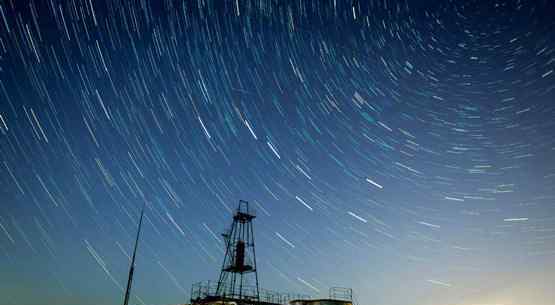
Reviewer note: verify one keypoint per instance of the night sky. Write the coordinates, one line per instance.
(405, 149)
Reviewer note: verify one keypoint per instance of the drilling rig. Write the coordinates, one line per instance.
(240, 259)
(238, 280)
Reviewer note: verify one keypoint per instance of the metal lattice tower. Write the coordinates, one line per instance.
(239, 263)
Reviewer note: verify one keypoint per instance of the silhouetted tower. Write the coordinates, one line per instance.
(240, 259)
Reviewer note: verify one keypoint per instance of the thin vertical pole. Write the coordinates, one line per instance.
(132, 268)
(254, 263)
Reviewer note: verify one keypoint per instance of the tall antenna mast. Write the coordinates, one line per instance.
(132, 268)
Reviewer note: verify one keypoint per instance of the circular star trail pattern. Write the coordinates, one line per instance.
(401, 148)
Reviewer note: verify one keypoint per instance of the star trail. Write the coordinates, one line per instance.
(402, 148)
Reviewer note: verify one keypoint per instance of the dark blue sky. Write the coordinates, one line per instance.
(401, 148)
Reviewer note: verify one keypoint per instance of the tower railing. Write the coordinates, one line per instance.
(207, 290)
(341, 293)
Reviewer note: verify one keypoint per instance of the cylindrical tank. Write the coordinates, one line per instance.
(240, 255)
